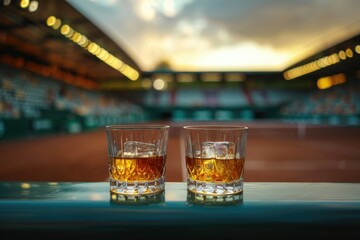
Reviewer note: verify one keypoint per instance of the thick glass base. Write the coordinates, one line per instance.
(134, 200)
(214, 200)
(137, 188)
(217, 188)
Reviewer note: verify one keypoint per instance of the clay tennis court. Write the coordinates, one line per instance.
(276, 152)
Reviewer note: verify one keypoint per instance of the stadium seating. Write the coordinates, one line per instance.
(31, 105)
(338, 105)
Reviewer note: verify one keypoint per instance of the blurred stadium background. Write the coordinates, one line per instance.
(62, 79)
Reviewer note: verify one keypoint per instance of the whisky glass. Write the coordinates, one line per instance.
(215, 158)
(137, 158)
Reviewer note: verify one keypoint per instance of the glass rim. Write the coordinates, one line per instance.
(215, 127)
(135, 126)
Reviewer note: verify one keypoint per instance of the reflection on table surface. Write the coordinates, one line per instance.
(58, 210)
(176, 192)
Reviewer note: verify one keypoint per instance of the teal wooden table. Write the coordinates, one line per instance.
(47, 210)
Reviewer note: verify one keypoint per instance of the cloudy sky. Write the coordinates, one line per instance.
(240, 35)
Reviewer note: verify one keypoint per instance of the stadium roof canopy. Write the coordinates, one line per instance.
(54, 39)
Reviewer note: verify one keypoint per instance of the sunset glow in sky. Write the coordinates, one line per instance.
(241, 35)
